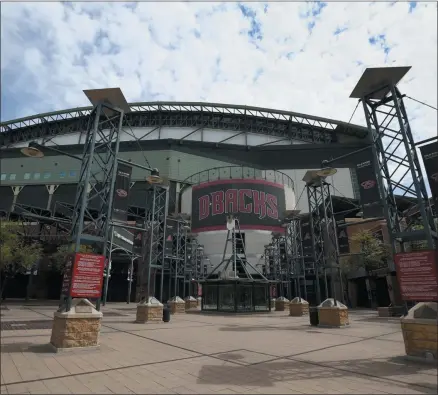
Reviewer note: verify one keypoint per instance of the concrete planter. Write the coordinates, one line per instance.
(331, 315)
(177, 305)
(77, 328)
(420, 331)
(150, 310)
(298, 307)
(282, 304)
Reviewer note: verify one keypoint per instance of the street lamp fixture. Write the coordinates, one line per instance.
(326, 171)
(154, 177)
(32, 151)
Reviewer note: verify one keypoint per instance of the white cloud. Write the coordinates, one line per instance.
(204, 52)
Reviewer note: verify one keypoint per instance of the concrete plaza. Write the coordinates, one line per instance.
(270, 353)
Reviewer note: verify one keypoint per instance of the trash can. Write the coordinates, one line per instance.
(166, 314)
(313, 315)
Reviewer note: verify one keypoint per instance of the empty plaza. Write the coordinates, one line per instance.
(196, 353)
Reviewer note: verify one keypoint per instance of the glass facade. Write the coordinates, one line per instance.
(235, 296)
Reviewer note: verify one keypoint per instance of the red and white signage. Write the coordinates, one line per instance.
(87, 276)
(417, 275)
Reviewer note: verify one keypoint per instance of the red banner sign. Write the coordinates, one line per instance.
(417, 275)
(87, 276)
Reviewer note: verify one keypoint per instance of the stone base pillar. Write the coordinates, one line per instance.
(150, 310)
(420, 331)
(282, 304)
(191, 303)
(298, 307)
(177, 305)
(77, 328)
(331, 315)
(199, 300)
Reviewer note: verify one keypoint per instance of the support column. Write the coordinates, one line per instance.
(16, 191)
(51, 189)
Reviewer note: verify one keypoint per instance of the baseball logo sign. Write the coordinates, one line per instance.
(368, 184)
(121, 193)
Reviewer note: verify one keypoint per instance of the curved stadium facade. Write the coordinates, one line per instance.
(181, 140)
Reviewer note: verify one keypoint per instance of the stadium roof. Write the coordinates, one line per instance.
(285, 125)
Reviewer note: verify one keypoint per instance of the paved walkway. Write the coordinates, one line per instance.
(269, 354)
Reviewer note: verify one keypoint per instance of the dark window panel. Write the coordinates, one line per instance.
(137, 194)
(6, 198)
(34, 195)
(64, 193)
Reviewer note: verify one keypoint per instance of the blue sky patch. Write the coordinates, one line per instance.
(340, 30)
(412, 6)
(258, 73)
(255, 32)
(380, 40)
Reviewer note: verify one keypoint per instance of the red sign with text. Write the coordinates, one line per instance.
(417, 275)
(87, 276)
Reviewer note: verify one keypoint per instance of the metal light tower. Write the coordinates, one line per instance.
(98, 170)
(178, 258)
(156, 217)
(97, 176)
(323, 228)
(294, 252)
(395, 158)
(277, 264)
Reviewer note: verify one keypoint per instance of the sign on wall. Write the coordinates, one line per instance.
(258, 204)
(368, 187)
(342, 235)
(417, 275)
(306, 235)
(137, 247)
(430, 159)
(121, 192)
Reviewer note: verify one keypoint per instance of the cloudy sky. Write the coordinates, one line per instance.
(303, 57)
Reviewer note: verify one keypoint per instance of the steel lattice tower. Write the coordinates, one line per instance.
(178, 258)
(295, 256)
(323, 229)
(156, 218)
(96, 179)
(97, 176)
(394, 154)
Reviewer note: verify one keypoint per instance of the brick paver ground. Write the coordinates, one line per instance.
(202, 354)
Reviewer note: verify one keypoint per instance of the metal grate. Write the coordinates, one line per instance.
(25, 325)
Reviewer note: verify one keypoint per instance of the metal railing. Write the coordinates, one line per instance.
(238, 172)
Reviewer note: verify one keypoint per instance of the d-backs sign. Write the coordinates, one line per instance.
(257, 204)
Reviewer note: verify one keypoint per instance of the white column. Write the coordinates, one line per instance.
(177, 195)
(51, 189)
(16, 190)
